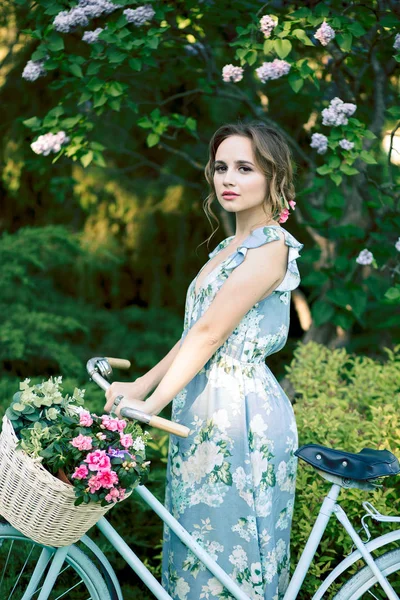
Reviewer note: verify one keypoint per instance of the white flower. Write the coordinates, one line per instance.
(346, 145)
(238, 558)
(232, 73)
(215, 586)
(397, 244)
(138, 444)
(319, 141)
(256, 574)
(92, 36)
(257, 425)
(267, 24)
(365, 257)
(324, 33)
(33, 70)
(259, 465)
(220, 419)
(139, 16)
(280, 550)
(49, 142)
(396, 44)
(182, 589)
(337, 112)
(273, 70)
(206, 457)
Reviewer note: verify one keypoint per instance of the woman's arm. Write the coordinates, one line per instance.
(250, 282)
(152, 378)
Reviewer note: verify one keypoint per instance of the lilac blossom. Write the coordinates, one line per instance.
(49, 142)
(346, 145)
(81, 14)
(337, 112)
(396, 44)
(319, 141)
(33, 70)
(139, 16)
(231, 73)
(397, 245)
(91, 37)
(267, 24)
(324, 34)
(273, 70)
(365, 257)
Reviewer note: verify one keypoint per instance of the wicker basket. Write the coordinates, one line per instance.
(35, 502)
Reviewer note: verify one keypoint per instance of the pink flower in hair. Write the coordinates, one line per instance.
(283, 217)
(292, 204)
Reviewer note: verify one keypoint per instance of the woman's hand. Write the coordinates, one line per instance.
(133, 393)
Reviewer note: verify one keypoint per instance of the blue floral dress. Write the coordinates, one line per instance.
(231, 483)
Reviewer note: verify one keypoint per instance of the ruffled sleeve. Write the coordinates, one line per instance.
(264, 235)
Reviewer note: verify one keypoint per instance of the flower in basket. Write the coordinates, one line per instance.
(102, 456)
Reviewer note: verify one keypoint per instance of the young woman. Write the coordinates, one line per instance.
(231, 483)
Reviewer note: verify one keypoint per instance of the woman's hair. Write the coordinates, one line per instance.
(273, 158)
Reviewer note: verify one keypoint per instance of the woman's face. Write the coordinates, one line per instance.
(236, 172)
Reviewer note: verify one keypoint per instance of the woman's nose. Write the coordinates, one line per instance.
(229, 176)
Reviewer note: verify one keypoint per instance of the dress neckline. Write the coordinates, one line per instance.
(196, 295)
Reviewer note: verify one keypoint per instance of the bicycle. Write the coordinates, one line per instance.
(41, 572)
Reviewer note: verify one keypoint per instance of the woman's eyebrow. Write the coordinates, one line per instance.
(237, 162)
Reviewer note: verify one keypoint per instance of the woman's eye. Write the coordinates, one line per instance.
(218, 169)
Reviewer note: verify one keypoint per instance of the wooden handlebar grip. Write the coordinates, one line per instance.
(119, 363)
(169, 426)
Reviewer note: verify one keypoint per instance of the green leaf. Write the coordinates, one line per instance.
(344, 40)
(191, 124)
(115, 89)
(251, 59)
(394, 111)
(242, 53)
(135, 64)
(71, 121)
(356, 29)
(85, 96)
(95, 84)
(282, 47)
(347, 170)
(324, 170)
(153, 43)
(99, 159)
(152, 139)
(268, 46)
(115, 104)
(55, 42)
(295, 82)
(393, 294)
(336, 178)
(93, 68)
(334, 162)
(301, 35)
(368, 158)
(87, 158)
(76, 70)
(322, 312)
(369, 134)
(99, 99)
(32, 123)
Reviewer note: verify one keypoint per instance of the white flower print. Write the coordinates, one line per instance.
(182, 589)
(258, 426)
(246, 528)
(203, 461)
(259, 465)
(244, 486)
(220, 419)
(263, 502)
(238, 558)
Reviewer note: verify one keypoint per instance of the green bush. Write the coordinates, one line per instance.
(345, 402)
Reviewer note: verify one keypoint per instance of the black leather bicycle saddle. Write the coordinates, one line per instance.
(366, 464)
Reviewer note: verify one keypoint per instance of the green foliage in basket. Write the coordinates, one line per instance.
(104, 457)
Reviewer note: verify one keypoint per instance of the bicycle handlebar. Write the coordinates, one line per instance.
(104, 364)
(118, 363)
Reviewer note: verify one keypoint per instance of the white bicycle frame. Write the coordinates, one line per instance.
(328, 507)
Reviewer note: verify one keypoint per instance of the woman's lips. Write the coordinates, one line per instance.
(230, 196)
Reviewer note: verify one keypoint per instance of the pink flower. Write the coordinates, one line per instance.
(121, 493)
(292, 204)
(82, 442)
(113, 495)
(98, 461)
(113, 424)
(284, 215)
(80, 472)
(107, 478)
(94, 484)
(85, 418)
(126, 440)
